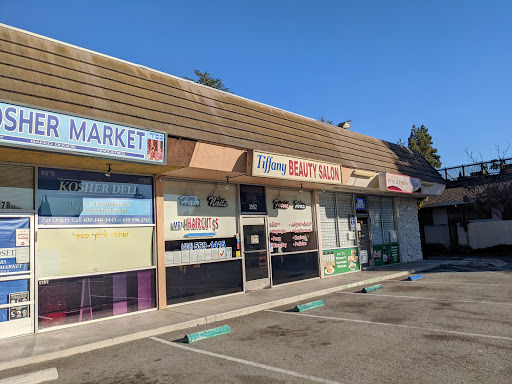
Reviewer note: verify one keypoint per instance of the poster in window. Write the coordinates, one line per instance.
(68, 197)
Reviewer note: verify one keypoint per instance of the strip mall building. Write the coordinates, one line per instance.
(124, 189)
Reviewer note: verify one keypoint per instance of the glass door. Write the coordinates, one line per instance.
(365, 245)
(256, 257)
(16, 275)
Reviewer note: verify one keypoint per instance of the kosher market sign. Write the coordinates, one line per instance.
(43, 130)
(294, 168)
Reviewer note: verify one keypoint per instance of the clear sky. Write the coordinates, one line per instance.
(385, 65)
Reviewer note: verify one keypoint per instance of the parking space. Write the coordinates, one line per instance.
(425, 331)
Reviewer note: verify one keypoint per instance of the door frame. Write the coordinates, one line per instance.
(252, 285)
(24, 326)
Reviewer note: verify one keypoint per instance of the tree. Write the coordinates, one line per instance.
(401, 142)
(207, 79)
(421, 141)
(322, 119)
(492, 190)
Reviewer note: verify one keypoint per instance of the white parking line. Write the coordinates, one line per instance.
(425, 298)
(440, 282)
(395, 325)
(33, 377)
(246, 362)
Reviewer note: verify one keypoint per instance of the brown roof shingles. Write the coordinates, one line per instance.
(42, 72)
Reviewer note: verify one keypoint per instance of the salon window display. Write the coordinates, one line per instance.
(290, 221)
(202, 248)
(200, 222)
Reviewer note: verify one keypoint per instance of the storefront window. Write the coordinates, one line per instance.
(252, 199)
(16, 188)
(382, 219)
(340, 253)
(70, 198)
(93, 250)
(291, 232)
(328, 220)
(290, 221)
(200, 228)
(95, 245)
(384, 236)
(77, 299)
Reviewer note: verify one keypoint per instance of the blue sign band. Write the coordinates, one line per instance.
(64, 133)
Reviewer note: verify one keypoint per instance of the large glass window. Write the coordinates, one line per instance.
(95, 245)
(70, 198)
(382, 219)
(384, 238)
(200, 222)
(293, 243)
(201, 241)
(290, 221)
(338, 224)
(252, 199)
(328, 220)
(75, 251)
(76, 299)
(16, 188)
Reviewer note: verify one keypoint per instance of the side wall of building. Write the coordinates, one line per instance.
(484, 234)
(408, 226)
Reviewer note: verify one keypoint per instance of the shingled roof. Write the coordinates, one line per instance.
(48, 74)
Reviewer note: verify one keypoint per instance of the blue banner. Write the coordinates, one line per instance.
(22, 126)
(69, 197)
(8, 245)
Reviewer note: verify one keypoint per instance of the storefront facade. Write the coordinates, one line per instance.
(123, 192)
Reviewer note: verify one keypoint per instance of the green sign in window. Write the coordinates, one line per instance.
(385, 254)
(337, 261)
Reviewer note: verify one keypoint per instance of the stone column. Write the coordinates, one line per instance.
(408, 229)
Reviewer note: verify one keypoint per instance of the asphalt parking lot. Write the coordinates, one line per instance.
(452, 326)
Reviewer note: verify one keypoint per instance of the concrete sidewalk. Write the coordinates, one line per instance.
(36, 348)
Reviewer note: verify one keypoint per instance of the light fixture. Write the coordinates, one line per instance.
(227, 183)
(362, 173)
(108, 170)
(301, 189)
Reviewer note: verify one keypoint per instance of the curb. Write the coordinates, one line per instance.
(201, 321)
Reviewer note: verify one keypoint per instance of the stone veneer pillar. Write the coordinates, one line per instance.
(408, 229)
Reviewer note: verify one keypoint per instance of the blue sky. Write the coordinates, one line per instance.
(385, 65)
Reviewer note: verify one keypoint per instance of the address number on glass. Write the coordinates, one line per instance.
(202, 245)
(5, 205)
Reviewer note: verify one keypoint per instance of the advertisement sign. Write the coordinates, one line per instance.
(18, 297)
(18, 312)
(399, 183)
(194, 210)
(69, 197)
(294, 168)
(22, 237)
(290, 230)
(385, 254)
(179, 252)
(9, 260)
(43, 130)
(337, 261)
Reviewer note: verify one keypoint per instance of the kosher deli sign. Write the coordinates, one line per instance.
(399, 183)
(293, 168)
(38, 129)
